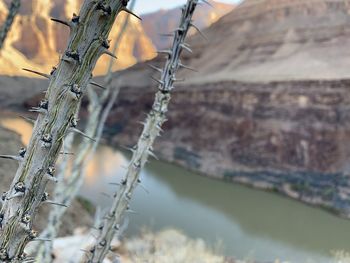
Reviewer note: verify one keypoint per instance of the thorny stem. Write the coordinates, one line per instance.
(68, 188)
(13, 10)
(152, 127)
(87, 42)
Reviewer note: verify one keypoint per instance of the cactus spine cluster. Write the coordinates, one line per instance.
(13, 10)
(56, 118)
(152, 128)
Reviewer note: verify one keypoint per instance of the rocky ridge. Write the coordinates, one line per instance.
(36, 42)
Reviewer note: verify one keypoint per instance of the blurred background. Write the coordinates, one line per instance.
(254, 158)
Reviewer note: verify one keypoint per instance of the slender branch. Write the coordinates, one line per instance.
(152, 128)
(66, 190)
(13, 11)
(88, 37)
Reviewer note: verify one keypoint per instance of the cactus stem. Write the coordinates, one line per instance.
(154, 121)
(37, 73)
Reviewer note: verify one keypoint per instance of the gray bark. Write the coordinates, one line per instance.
(56, 118)
(67, 188)
(13, 11)
(152, 128)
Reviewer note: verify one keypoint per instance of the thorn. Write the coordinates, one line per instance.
(18, 194)
(187, 67)
(81, 133)
(37, 73)
(50, 202)
(153, 155)
(142, 123)
(118, 184)
(185, 47)
(28, 119)
(131, 211)
(38, 110)
(42, 239)
(167, 35)
(65, 153)
(51, 178)
(155, 68)
(128, 148)
(97, 85)
(61, 22)
(106, 195)
(131, 13)
(144, 188)
(107, 52)
(166, 51)
(125, 167)
(178, 80)
(158, 81)
(12, 157)
(198, 30)
(207, 2)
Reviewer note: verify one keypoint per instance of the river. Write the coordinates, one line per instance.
(242, 222)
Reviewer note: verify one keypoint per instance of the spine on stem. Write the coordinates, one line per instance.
(56, 118)
(143, 149)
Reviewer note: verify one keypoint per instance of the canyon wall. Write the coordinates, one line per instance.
(289, 137)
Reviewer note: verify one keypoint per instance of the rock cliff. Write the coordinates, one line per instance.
(36, 42)
(269, 107)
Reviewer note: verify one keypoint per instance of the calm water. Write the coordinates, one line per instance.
(247, 222)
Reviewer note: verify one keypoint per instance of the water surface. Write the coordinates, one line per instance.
(246, 222)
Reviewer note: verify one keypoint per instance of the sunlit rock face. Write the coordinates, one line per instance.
(269, 106)
(267, 40)
(165, 21)
(37, 42)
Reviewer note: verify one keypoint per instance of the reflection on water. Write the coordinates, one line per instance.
(248, 222)
(19, 126)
